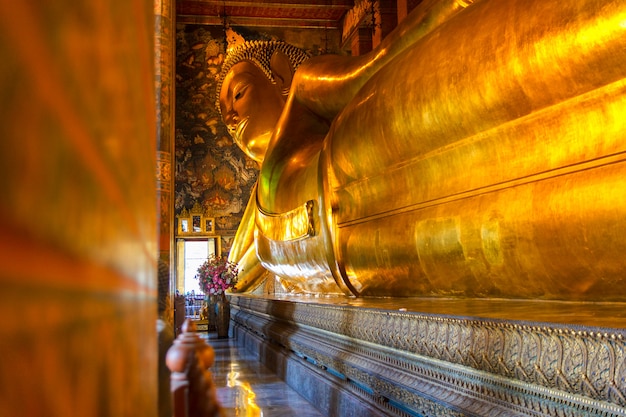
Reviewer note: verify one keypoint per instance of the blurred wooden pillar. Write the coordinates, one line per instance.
(77, 214)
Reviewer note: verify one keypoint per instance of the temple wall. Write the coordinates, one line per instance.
(211, 174)
(78, 242)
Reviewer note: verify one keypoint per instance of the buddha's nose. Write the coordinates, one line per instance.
(231, 119)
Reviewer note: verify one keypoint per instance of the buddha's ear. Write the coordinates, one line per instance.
(282, 71)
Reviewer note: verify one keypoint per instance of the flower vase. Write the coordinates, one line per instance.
(222, 316)
(211, 300)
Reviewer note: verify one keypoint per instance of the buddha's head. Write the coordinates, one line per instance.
(252, 90)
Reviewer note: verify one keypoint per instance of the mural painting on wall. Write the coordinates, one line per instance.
(227, 243)
(210, 169)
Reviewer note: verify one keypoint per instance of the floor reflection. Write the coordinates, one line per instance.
(245, 388)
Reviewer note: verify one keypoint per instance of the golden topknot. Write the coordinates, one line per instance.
(259, 53)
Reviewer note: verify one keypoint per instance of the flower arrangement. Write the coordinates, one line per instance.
(217, 275)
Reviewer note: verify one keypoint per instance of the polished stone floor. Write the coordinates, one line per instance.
(247, 388)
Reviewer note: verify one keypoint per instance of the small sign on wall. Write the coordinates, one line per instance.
(195, 222)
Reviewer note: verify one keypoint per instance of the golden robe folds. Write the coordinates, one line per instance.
(485, 159)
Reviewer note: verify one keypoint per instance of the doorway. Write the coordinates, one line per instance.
(190, 254)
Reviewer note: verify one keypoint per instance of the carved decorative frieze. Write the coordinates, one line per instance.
(423, 362)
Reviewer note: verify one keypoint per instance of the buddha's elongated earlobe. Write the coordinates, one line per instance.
(282, 71)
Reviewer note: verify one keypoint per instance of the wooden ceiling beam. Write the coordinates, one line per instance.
(259, 22)
(265, 13)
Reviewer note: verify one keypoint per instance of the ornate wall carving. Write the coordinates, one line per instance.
(472, 366)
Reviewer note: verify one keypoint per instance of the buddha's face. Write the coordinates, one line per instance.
(251, 106)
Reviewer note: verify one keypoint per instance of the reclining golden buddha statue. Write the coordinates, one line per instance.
(478, 151)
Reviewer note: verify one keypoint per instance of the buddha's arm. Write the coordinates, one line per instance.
(245, 233)
(243, 251)
(326, 84)
(288, 177)
(251, 273)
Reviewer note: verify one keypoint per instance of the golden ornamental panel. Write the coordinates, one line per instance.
(534, 368)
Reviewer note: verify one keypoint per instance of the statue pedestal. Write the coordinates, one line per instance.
(428, 357)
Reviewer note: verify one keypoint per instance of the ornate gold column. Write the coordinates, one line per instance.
(361, 42)
(367, 24)
(164, 97)
(164, 65)
(402, 7)
(385, 19)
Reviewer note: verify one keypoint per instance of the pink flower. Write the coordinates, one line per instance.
(217, 275)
